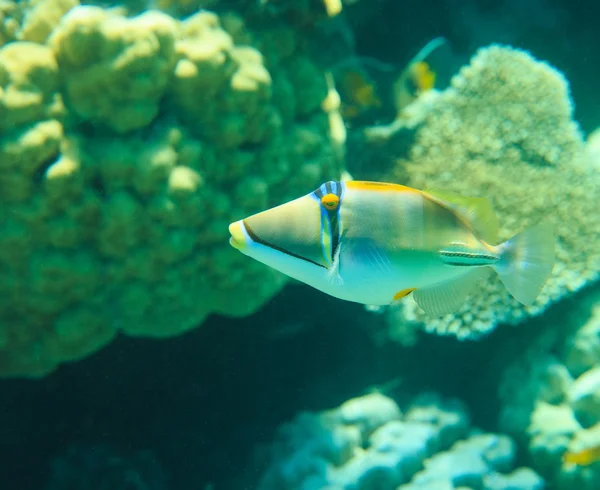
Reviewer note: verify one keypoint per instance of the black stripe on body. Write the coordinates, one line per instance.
(335, 232)
(257, 239)
(333, 216)
(469, 258)
(319, 193)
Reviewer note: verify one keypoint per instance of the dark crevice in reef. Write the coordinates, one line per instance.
(204, 400)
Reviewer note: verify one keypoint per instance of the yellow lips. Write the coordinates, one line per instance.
(238, 237)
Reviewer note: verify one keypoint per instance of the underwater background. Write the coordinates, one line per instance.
(139, 350)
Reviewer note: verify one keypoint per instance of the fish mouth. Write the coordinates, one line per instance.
(239, 236)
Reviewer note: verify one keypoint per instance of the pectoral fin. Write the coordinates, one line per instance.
(334, 272)
(449, 296)
(366, 252)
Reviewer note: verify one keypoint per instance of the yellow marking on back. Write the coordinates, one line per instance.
(378, 186)
(402, 294)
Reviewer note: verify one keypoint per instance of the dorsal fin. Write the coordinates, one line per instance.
(477, 211)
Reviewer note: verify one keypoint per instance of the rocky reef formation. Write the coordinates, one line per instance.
(128, 145)
(551, 394)
(370, 443)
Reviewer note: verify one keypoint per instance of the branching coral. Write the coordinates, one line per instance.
(115, 205)
(504, 131)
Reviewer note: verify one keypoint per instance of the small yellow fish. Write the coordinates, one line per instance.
(585, 457)
(375, 243)
(418, 76)
(423, 77)
(360, 94)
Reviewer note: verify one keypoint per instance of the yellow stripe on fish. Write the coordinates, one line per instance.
(376, 242)
(378, 186)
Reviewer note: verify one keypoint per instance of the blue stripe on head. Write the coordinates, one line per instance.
(341, 193)
(334, 187)
(330, 220)
(325, 223)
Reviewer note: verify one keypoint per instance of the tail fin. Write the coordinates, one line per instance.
(526, 262)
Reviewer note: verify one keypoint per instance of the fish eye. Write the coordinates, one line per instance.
(330, 201)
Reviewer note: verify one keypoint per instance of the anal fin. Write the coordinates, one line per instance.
(449, 296)
(402, 294)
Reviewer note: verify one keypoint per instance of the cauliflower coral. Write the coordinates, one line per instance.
(504, 130)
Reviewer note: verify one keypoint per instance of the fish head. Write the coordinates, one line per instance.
(298, 238)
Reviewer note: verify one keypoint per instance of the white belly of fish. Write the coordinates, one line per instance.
(377, 281)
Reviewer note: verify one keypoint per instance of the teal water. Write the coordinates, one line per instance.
(139, 350)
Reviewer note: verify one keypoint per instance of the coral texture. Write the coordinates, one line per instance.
(11, 15)
(368, 443)
(114, 69)
(551, 393)
(128, 145)
(504, 131)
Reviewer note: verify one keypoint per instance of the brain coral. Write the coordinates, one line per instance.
(127, 146)
(504, 131)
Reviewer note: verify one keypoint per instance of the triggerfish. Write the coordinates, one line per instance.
(375, 243)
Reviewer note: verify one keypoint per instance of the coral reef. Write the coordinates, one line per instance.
(592, 148)
(368, 443)
(41, 17)
(31, 20)
(128, 144)
(115, 70)
(11, 15)
(504, 131)
(551, 393)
